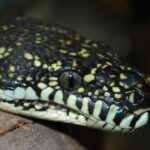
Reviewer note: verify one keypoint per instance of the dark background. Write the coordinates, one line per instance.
(123, 24)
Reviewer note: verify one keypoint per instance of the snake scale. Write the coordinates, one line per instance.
(50, 72)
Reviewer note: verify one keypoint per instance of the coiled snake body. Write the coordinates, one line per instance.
(51, 72)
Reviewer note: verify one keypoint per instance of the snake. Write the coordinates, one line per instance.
(51, 72)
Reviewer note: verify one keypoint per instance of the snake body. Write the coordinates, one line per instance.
(50, 72)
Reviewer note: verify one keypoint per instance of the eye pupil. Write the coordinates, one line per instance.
(70, 80)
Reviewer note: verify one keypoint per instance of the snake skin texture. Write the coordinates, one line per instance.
(50, 72)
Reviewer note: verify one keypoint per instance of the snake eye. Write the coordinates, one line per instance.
(70, 80)
(135, 98)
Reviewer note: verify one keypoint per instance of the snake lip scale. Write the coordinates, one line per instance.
(51, 72)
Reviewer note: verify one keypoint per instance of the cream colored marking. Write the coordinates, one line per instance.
(112, 84)
(37, 63)
(4, 27)
(74, 63)
(45, 93)
(107, 94)
(108, 63)
(53, 78)
(93, 71)
(26, 104)
(121, 84)
(42, 85)
(96, 92)
(63, 51)
(9, 95)
(53, 83)
(100, 55)
(45, 66)
(29, 78)
(129, 68)
(140, 111)
(73, 54)
(99, 65)
(131, 98)
(89, 77)
(117, 96)
(30, 94)
(97, 109)
(105, 66)
(57, 87)
(143, 120)
(36, 57)
(111, 114)
(38, 42)
(139, 85)
(19, 93)
(89, 93)
(19, 78)
(18, 43)
(82, 51)
(95, 45)
(122, 76)
(112, 76)
(28, 56)
(12, 68)
(85, 55)
(71, 102)
(2, 50)
(10, 49)
(54, 65)
(6, 54)
(126, 86)
(125, 123)
(105, 88)
(81, 90)
(57, 68)
(85, 107)
(58, 98)
(38, 107)
(59, 63)
(116, 89)
(11, 75)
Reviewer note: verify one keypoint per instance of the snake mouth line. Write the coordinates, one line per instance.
(56, 112)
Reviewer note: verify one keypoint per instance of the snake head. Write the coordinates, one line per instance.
(51, 72)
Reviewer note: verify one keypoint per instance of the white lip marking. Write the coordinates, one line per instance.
(30, 94)
(19, 93)
(125, 123)
(9, 95)
(142, 120)
(45, 93)
(58, 98)
(6, 95)
(111, 114)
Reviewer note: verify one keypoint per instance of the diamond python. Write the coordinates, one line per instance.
(51, 72)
